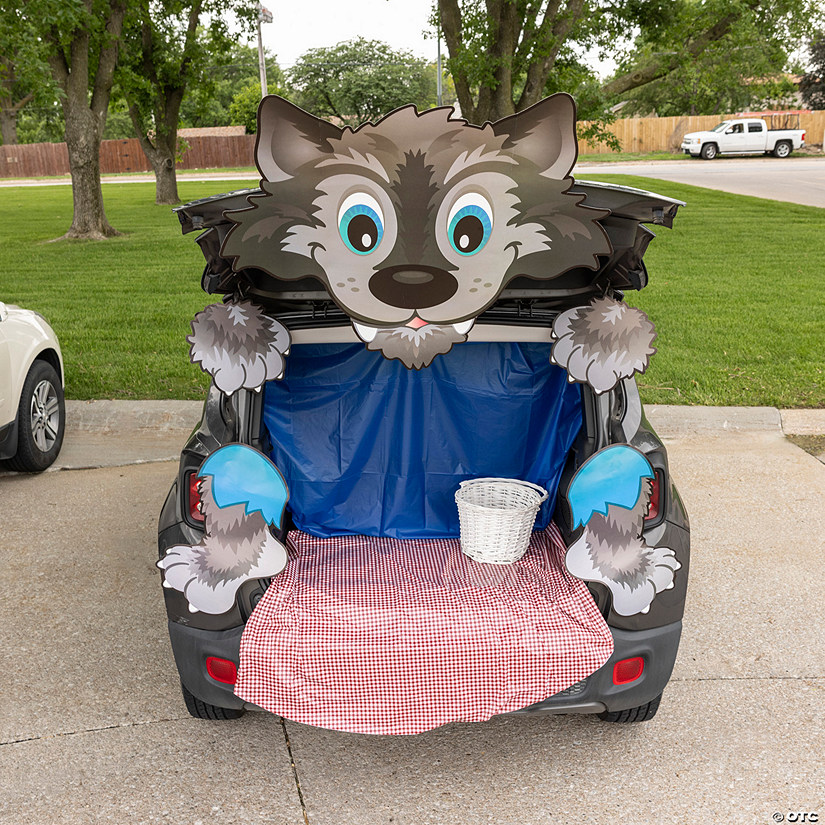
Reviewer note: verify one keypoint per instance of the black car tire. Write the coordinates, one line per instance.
(639, 714)
(41, 420)
(709, 151)
(782, 149)
(203, 710)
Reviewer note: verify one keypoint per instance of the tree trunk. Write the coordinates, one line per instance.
(84, 72)
(160, 151)
(8, 115)
(8, 126)
(516, 32)
(166, 182)
(83, 144)
(161, 157)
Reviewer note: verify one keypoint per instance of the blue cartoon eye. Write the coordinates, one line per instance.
(470, 223)
(361, 223)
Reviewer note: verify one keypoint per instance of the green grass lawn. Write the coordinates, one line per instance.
(736, 292)
(624, 157)
(122, 307)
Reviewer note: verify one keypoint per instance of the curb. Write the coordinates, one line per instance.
(803, 422)
(112, 416)
(108, 416)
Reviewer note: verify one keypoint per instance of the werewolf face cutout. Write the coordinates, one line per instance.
(417, 223)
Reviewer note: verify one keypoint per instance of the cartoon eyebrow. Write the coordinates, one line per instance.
(358, 161)
(471, 161)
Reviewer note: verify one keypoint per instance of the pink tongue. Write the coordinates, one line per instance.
(417, 323)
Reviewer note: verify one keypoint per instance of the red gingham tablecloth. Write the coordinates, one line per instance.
(377, 635)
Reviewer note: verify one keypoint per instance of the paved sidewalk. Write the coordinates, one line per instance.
(91, 691)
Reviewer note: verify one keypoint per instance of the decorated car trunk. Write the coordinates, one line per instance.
(408, 307)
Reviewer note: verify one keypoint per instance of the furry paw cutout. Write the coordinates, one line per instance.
(633, 572)
(610, 496)
(241, 493)
(602, 343)
(238, 345)
(187, 569)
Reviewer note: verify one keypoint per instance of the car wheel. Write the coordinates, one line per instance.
(709, 151)
(640, 714)
(203, 710)
(41, 420)
(782, 149)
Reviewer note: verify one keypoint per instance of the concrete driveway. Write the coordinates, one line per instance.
(93, 729)
(799, 179)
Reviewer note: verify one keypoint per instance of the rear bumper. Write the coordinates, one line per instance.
(191, 647)
(596, 693)
(657, 647)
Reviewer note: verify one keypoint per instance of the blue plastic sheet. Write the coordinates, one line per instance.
(370, 447)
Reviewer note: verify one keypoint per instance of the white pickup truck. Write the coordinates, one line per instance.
(746, 136)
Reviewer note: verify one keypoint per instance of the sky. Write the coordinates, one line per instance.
(298, 26)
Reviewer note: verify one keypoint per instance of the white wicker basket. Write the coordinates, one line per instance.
(496, 517)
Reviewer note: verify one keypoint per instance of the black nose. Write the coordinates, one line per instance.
(412, 286)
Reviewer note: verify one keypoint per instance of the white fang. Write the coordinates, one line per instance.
(366, 334)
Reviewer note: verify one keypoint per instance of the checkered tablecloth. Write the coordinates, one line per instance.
(376, 635)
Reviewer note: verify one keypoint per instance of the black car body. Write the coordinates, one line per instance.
(645, 644)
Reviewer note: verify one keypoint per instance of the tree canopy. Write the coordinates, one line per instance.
(226, 75)
(713, 57)
(360, 80)
(505, 55)
(167, 45)
(812, 85)
(24, 72)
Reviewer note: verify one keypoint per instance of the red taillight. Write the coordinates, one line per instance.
(628, 670)
(194, 498)
(655, 496)
(803, 137)
(222, 670)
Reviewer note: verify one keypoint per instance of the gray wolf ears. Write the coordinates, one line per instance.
(602, 343)
(545, 134)
(289, 138)
(238, 345)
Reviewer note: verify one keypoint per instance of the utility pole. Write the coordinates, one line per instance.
(264, 16)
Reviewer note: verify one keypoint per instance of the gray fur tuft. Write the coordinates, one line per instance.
(238, 345)
(612, 550)
(235, 548)
(416, 348)
(603, 343)
(233, 544)
(622, 557)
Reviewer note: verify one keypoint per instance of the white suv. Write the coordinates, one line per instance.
(32, 410)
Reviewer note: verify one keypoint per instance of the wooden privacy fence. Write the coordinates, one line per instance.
(664, 134)
(636, 134)
(34, 160)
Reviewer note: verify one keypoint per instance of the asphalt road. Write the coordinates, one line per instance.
(93, 728)
(796, 179)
